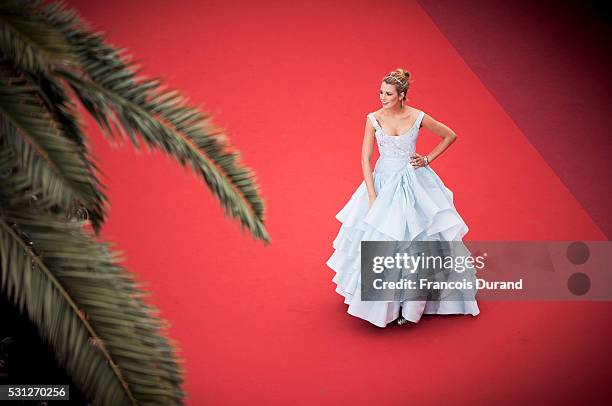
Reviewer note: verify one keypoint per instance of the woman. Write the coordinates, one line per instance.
(403, 199)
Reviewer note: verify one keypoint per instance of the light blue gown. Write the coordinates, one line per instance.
(411, 205)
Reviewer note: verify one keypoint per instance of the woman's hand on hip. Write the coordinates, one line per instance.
(418, 161)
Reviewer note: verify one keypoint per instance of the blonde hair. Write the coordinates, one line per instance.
(400, 78)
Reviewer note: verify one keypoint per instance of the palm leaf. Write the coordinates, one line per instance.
(64, 112)
(55, 164)
(137, 107)
(88, 307)
(29, 40)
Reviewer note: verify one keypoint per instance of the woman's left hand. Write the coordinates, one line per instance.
(417, 161)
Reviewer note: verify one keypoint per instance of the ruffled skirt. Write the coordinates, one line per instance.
(410, 205)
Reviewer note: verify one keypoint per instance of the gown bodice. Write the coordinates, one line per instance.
(400, 146)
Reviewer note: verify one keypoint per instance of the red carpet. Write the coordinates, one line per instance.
(548, 65)
(292, 83)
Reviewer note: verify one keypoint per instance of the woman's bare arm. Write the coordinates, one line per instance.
(366, 155)
(441, 130)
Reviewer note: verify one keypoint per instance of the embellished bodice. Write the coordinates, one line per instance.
(400, 146)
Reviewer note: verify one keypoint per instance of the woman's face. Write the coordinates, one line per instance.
(388, 96)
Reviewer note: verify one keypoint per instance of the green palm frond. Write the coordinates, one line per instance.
(55, 164)
(64, 112)
(117, 97)
(88, 307)
(52, 268)
(29, 40)
(60, 106)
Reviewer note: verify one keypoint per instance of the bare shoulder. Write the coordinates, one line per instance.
(368, 124)
(374, 114)
(436, 126)
(427, 120)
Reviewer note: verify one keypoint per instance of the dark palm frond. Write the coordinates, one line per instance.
(118, 98)
(61, 107)
(91, 310)
(64, 112)
(55, 164)
(88, 307)
(29, 40)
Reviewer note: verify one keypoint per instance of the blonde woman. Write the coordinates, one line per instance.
(402, 199)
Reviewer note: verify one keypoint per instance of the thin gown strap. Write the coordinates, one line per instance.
(374, 122)
(419, 119)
